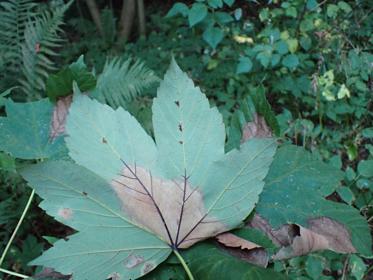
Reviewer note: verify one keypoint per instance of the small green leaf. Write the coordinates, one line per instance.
(290, 61)
(314, 267)
(7, 163)
(244, 65)
(213, 36)
(365, 168)
(229, 2)
(346, 194)
(178, 8)
(215, 3)
(357, 267)
(197, 13)
(368, 132)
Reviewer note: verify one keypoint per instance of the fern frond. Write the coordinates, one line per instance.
(42, 36)
(14, 15)
(121, 81)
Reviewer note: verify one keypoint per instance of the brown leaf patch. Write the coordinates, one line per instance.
(256, 129)
(322, 234)
(59, 115)
(172, 209)
(232, 240)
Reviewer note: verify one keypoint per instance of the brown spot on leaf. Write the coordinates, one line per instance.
(85, 194)
(148, 266)
(58, 121)
(231, 240)
(258, 128)
(180, 127)
(133, 261)
(65, 213)
(181, 142)
(144, 202)
(104, 140)
(177, 103)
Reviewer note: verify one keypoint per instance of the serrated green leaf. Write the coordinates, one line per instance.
(197, 13)
(25, 131)
(179, 192)
(209, 263)
(294, 193)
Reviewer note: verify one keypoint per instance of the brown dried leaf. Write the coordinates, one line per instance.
(231, 240)
(59, 115)
(157, 204)
(322, 233)
(257, 128)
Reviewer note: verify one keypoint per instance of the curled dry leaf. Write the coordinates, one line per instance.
(256, 129)
(231, 240)
(322, 234)
(60, 111)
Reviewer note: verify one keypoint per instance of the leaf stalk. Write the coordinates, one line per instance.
(183, 263)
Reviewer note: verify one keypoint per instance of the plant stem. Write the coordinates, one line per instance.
(13, 273)
(183, 263)
(17, 227)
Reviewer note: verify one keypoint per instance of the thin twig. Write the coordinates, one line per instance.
(13, 273)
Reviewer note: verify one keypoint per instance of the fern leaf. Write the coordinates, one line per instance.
(122, 80)
(14, 14)
(41, 37)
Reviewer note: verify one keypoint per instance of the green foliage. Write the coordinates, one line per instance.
(41, 37)
(122, 80)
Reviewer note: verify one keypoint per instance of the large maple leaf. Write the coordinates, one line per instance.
(132, 201)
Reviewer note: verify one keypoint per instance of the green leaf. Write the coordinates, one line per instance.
(229, 2)
(215, 3)
(136, 200)
(223, 17)
(178, 8)
(244, 65)
(368, 132)
(197, 13)
(7, 163)
(365, 168)
(61, 84)
(213, 36)
(264, 109)
(314, 267)
(357, 267)
(25, 131)
(209, 263)
(290, 61)
(3, 94)
(294, 193)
